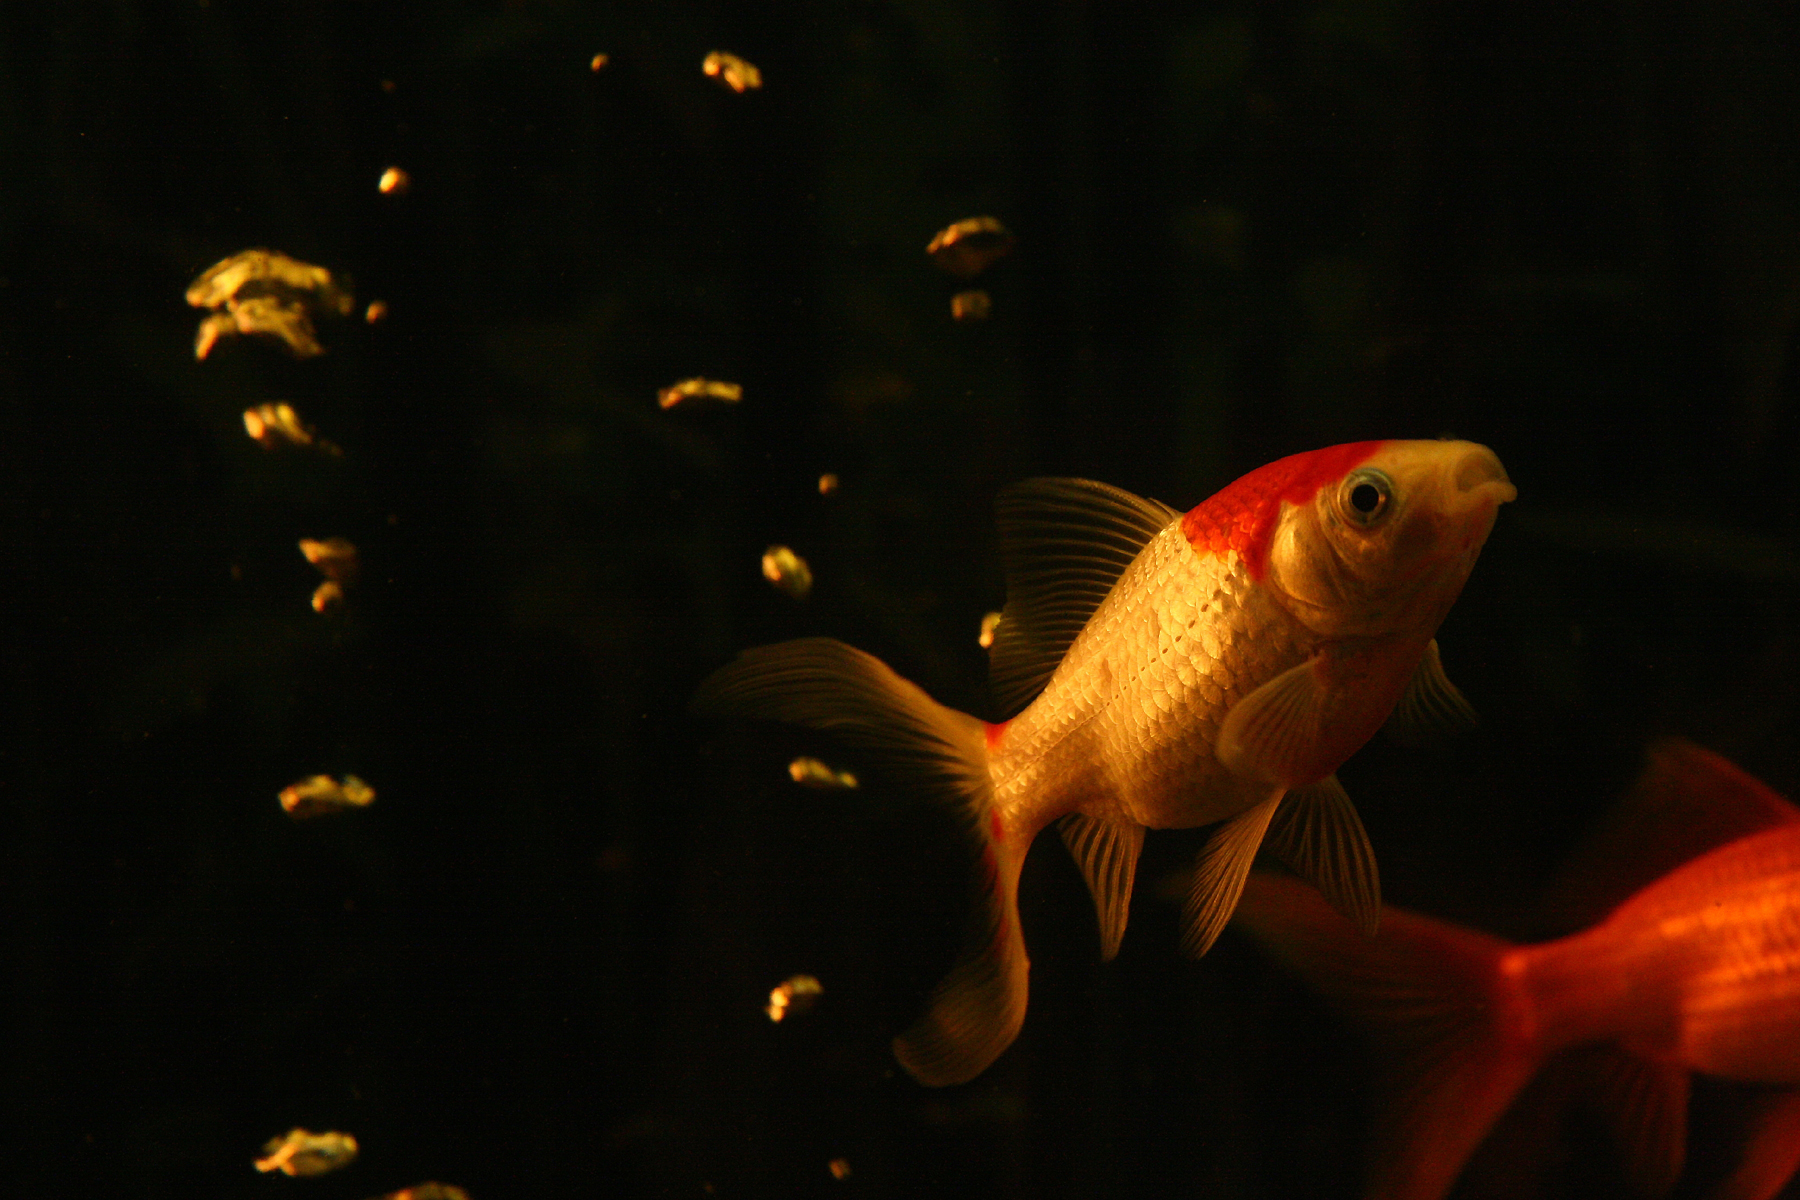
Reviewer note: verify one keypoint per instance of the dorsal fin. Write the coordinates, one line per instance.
(1064, 543)
(1687, 801)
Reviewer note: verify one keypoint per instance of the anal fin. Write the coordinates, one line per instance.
(1107, 853)
(1317, 833)
(1219, 875)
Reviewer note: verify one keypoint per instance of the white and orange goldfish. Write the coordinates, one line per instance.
(1698, 971)
(1166, 671)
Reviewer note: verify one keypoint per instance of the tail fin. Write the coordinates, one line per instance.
(975, 1013)
(1448, 1021)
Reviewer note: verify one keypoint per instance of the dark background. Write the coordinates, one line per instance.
(535, 967)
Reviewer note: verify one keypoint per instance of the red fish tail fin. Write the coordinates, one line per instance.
(928, 749)
(1448, 1023)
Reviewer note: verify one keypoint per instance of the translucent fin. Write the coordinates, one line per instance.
(821, 683)
(1317, 833)
(976, 1012)
(1219, 876)
(1107, 853)
(1686, 802)
(1771, 1150)
(1431, 709)
(1645, 1104)
(1446, 1022)
(1275, 732)
(1064, 543)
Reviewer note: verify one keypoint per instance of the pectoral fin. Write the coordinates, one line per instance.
(1276, 733)
(1220, 873)
(1432, 709)
(1317, 833)
(1107, 852)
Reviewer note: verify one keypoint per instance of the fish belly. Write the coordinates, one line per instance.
(1126, 727)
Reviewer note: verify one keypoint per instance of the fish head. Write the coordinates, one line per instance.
(1384, 546)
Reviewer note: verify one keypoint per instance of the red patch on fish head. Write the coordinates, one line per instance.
(1242, 517)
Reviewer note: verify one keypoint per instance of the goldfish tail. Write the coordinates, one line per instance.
(976, 1012)
(1448, 1022)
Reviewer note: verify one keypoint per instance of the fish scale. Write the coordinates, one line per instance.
(1150, 718)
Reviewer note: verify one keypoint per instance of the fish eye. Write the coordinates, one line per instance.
(1365, 497)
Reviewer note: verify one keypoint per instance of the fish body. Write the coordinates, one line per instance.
(1126, 728)
(1164, 670)
(1700, 969)
(1697, 971)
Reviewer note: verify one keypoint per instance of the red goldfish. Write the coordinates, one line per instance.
(1163, 671)
(1698, 971)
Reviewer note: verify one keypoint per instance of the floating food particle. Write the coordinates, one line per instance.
(274, 423)
(990, 623)
(229, 278)
(315, 797)
(828, 483)
(970, 246)
(328, 597)
(971, 306)
(303, 1153)
(428, 1191)
(787, 571)
(335, 557)
(265, 292)
(598, 62)
(376, 313)
(793, 997)
(700, 389)
(839, 1168)
(271, 423)
(211, 330)
(273, 315)
(810, 772)
(393, 182)
(735, 73)
(281, 317)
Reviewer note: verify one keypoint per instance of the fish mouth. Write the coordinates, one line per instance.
(1478, 475)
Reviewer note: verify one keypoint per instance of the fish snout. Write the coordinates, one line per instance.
(1479, 471)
